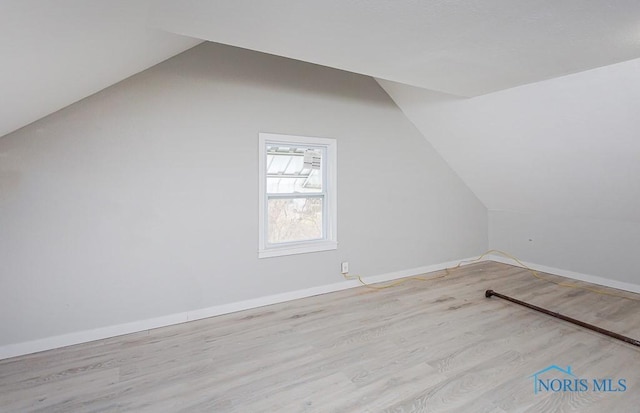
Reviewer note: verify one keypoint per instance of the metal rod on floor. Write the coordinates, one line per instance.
(490, 293)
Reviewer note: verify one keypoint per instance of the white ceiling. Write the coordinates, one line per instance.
(464, 47)
(55, 52)
(567, 146)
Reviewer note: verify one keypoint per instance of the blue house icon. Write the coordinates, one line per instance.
(550, 368)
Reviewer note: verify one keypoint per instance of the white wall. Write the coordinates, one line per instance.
(593, 247)
(142, 200)
(559, 158)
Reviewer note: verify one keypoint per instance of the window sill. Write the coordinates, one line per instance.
(297, 249)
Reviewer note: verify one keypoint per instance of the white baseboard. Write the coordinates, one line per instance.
(593, 279)
(19, 349)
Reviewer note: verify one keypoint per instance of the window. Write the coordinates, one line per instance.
(297, 195)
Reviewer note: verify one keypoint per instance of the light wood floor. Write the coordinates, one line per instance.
(437, 346)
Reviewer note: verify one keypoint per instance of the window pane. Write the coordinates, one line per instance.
(294, 169)
(297, 219)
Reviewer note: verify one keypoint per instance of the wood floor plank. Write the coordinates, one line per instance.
(434, 346)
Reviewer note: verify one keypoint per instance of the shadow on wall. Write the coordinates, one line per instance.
(227, 64)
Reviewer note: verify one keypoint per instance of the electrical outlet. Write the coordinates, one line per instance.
(344, 267)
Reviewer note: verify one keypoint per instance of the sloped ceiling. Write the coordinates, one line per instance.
(464, 47)
(566, 147)
(531, 102)
(551, 125)
(55, 52)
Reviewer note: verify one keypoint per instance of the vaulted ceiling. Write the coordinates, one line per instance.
(55, 52)
(456, 68)
(567, 147)
(465, 47)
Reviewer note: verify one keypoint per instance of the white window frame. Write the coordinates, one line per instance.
(330, 206)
